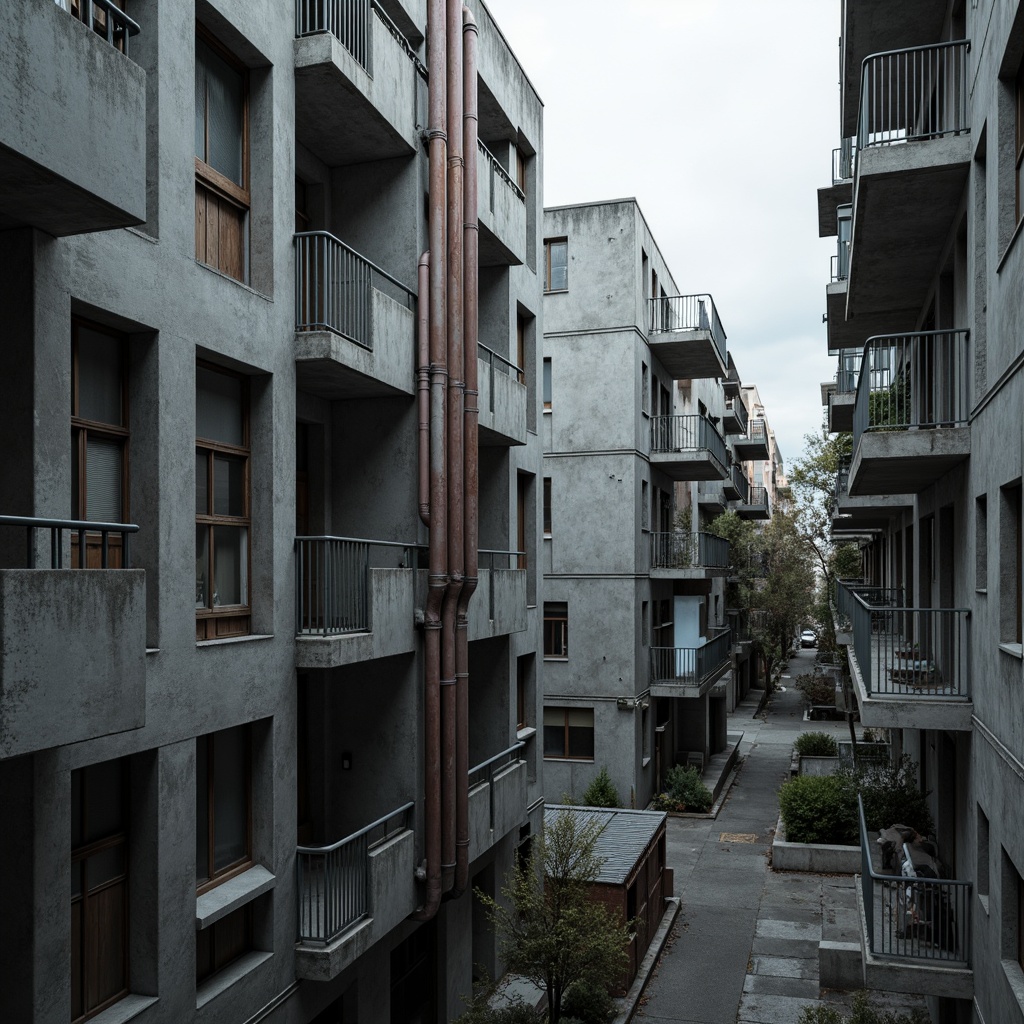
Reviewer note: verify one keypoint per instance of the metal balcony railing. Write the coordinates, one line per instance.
(105, 19)
(738, 410)
(333, 882)
(912, 381)
(740, 484)
(848, 372)
(913, 95)
(912, 917)
(334, 288)
(79, 530)
(687, 433)
(498, 364)
(347, 20)
(688, 313)
(689, 551)
(739, 624)
(842, 480)
(506, 561)
(844, 232)
(691, 666)
(491, 172)
(486, 772)
(844, 161)
(758, 496)
(332, 581)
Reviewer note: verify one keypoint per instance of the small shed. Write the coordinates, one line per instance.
(634, 880)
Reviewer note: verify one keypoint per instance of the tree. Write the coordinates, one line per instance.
(602, 792)
(549, 928)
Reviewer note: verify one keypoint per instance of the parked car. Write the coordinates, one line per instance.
(808, 638)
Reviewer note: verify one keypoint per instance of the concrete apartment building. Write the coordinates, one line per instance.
(924, 314)
(250, 755)
(643, 419)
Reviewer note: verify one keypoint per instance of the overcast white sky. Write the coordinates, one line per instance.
(720, 117)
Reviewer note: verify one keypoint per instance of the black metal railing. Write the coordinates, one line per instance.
(496, 363)
(688, 313)
(679, 550)
(333, 882)
(691, 666)
(914, 94)
(740, 484)
(913, 917)
(758, 497)
(487, 771)
(332, 581)
(349, 21)
(493, 176)
(844, 161)
(77, 529)
(737, 410)
(105, 19)
(334, 288)
(848, 372)
(691, 432)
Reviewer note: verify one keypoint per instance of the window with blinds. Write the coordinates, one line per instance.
(99, 434)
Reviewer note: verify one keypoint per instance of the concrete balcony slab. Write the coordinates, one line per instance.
(906, 461)
(502, 404)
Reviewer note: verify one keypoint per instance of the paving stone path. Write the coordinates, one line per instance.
(745, 946)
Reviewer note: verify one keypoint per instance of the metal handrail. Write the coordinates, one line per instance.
(396, 32)
(333, 882)
(691, 666)
(333, 287)
(118, 27)
(332, 582)
(81, 527)
(689, 551)
(912, 94)
(347, 20)
(740, 484)
(848, 372)
(759, 497)
(738, 408)
(921, 918)
(498, 171)
(688, 313)
(844, 161)
(488, 767)
(691, 432)
(497, 363)
(912, 381)
(489, 556)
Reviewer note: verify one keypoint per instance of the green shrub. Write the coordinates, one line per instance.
(890, 794)
(817, 690)
(684, 791)
(481, 1012)
(816, 744)
(819, 809)
(823, 1013)
(863, 1013)
(588, 1003)
(601, 792)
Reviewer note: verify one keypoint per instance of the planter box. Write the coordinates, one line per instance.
(813, 857)
(813, 765)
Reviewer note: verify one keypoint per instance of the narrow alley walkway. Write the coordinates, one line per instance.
(746, 940)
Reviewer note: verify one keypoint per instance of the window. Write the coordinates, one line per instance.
(1018, 100)
(547, 506)
(223, 942)
(569, 733)
(99, 887)
(521, 326)
(222, 160)
(645, 505)
(521, 689)
(556, 258)
(1012, 886)
(1011, 598)
(99, 435)
(983, 858)
(556, 629)
(222, 504)
(518, 170)
(223, 806)
(547, 385)
(645, 623)
(981, 543)
(645, 400)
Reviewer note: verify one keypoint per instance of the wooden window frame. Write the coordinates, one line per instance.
(226, 620)
(208, 178)
(552, 615)
(208, 961)
(565, 755)
(245, 862)
(83, 852)
(549, 243)
(547, 506)
(547, 383)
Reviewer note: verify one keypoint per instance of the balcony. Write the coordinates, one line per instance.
(690, 671)
(352, 893)
(687, 336)
(910, 666)
(840, 397)
(753, 446)
(688, 556)
(735, 418)
(72, 641)
(501, 211)
(497, 799)
(355, 83)
(915, 929)
(757, 505)
(355, 324)
(737, 486)
(870, 511)
(840, 192)
(711, 497)
(502, 400)
(688, 448)
(354, 600)
(73, 156)
(732, 386)
(914, 152)
(499, 604)
(910, 421)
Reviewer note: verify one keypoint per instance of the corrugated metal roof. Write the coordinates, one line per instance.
(624, 836)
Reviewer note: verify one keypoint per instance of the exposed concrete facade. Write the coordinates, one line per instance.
(936, 256)
(103, 665)
(634, 442)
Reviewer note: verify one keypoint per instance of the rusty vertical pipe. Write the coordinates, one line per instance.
(471, 475)
(454, 440)
(423, 382)
(437, 578)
